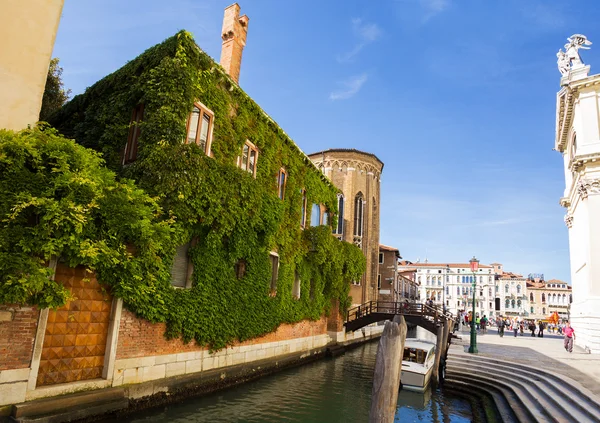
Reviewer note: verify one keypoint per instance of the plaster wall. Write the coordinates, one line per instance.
(27, 29)
(581, 155)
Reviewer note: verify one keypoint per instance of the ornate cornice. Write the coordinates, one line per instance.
(588, 187)
(565, 202)
(579, 161)
(569, 220)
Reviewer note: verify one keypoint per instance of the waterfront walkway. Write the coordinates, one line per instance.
(546, 353)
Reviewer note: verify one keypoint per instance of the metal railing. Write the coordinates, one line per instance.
(435, 313)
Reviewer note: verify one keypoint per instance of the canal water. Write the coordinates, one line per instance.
(328, 391)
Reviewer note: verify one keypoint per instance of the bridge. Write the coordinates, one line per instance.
(428, 317)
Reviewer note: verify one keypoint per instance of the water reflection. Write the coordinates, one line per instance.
(337, 390)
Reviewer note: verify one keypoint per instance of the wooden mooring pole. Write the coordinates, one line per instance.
(388, 368)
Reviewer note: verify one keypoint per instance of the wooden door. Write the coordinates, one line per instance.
(75, 338)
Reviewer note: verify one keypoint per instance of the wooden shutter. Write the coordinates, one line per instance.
(179, 271)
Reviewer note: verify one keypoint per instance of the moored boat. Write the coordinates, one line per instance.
(417, 364)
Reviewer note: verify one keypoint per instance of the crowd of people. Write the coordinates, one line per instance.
(519, 326)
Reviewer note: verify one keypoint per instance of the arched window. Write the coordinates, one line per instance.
(481, 279)
(358, 214)
(315, 215)
(543, 298)
(439, 281)
(325, 219)
(518, 289)
(512, 303)
(518, 303)
(427, 281)
(458, 279)
(339, 229)
(531, 296)
(507, 303)
(543, 310)
(458, 290)
(490, 292)
(506, 289)
(564, 299)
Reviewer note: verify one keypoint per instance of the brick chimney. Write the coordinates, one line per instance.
(235, 29)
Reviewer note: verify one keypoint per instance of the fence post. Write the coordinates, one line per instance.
(388, 369)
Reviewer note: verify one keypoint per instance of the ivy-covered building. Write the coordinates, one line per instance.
(243, 264)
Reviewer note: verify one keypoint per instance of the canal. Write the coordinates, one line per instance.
(330, 390)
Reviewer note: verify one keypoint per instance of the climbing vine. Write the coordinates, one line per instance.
(185, 195)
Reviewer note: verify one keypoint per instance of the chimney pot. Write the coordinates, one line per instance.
(234, 32)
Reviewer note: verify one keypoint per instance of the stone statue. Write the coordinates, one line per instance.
(563, 62)
(570, 58)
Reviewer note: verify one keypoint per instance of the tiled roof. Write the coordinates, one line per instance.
(388, 248)
(452, 265)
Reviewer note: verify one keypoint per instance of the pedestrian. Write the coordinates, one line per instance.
(515, 328)
(569, 337)
(483, 323)
(541, 329)
(532, 328)
(521, 327)
(501, 326)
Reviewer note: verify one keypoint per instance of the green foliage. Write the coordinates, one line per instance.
(230, 214)
(58, 200)
(55, 95)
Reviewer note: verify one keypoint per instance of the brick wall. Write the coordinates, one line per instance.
(140, 338)
(18, 326)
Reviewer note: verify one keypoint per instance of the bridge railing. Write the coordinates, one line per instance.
(398, 307)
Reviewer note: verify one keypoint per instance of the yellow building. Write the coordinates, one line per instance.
(27, 30)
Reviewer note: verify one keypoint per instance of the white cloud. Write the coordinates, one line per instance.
(433, 7)
(350, 87)
(366, 34)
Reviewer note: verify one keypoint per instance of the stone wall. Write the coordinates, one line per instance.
(17, 334)
(18, 327)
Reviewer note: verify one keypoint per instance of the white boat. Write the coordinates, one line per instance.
(417, 364)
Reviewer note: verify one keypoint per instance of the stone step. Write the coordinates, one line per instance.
(80, 399)
(526, 410)
(502, 408)
(76, 412)
(564, 382)
(572, 405)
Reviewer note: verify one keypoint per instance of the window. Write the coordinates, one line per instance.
(543, 310)
(296, 287)
(199, 127)
(531, 297)
(531, 310)
(543, 297)
(281, 181)
(315, 215)
(512, 303)
(249, 158)
(339, 229)
(303, 218)
(240, 268)
(324, 216)
(182, 268)
(358, 215)
(518, 303)
(518, 289)
(380, 258)
(131, 148)
(378, 281)
(507, 303)
(274, 259)
(506, 289)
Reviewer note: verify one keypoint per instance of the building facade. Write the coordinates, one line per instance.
(451, 285)
(387, 279)
(358, 176)
(545, 298)
(578, 140)
(511, 296)
(28, 30)
(258, 270)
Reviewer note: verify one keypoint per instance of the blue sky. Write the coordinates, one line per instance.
(456, 97)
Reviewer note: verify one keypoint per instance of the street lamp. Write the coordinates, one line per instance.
(474, 267)
(444, 288)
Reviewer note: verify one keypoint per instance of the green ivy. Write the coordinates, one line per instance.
(190, 196)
